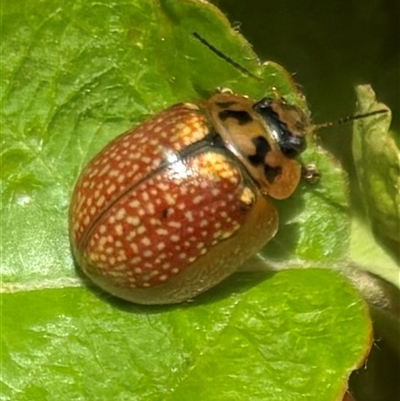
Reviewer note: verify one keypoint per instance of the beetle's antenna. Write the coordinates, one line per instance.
(223, 56)
(348, 119)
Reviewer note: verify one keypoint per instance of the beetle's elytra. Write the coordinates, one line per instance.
(172, 207)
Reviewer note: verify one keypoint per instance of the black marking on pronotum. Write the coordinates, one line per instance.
(262, 148)
(242, 117)
(271, 172)
(223, 56)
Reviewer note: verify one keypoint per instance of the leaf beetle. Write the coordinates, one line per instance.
(174, 206)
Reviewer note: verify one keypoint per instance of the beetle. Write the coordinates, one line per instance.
(171, 208)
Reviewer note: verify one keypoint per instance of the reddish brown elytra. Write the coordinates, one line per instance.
(170, 208)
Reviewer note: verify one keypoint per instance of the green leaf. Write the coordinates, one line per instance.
(283, 336)
(73, 76)
(377, 159)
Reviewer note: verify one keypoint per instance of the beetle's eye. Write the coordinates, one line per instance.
(289, 142)
(291, 146)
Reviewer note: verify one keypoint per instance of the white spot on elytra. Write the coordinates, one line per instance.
(145, 196)
(150, 208)
(141, 230)
(189, 216)
(166, 266)
(131, 235)
(100, 201)
(160, 246)
(133, 220)
(111, 189)
(119, 229)
(169, 199)
(134, 203)
(174, 224)
(181, 206)
(197, 199)
(203, 223)
(120, 215)
(145, 241)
